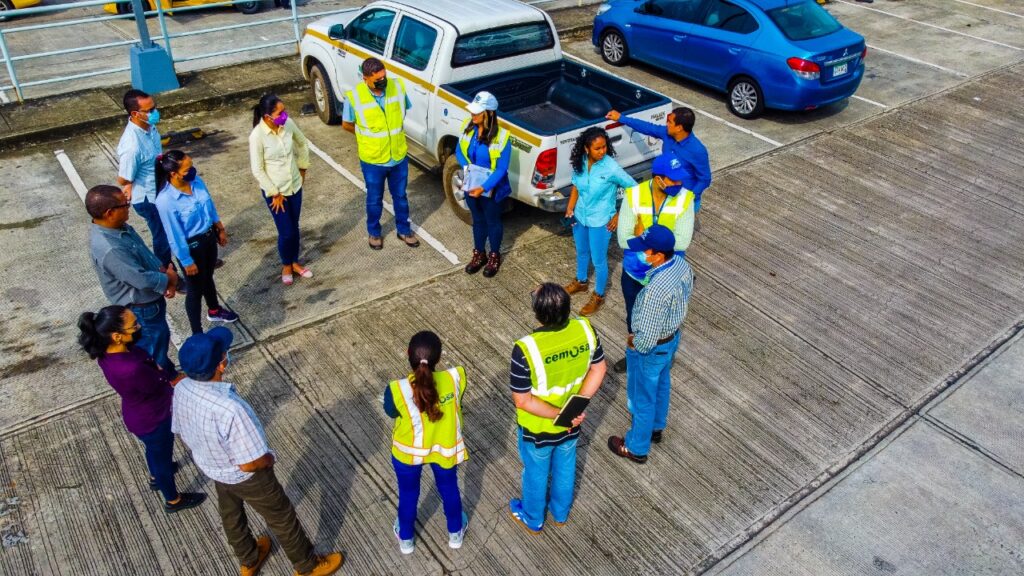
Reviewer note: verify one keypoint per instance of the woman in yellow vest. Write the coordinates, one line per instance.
(484, 151)
(427, 408)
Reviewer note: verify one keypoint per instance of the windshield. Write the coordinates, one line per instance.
(502, 43)
(804, 21)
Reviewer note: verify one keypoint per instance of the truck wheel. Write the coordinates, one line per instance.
(323, 95)
(451, 179)
(613, 48)
(745, 98)
(249, 7)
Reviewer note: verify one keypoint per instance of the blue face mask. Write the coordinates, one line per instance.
(154, 117)
(190, 176)
(635, 264)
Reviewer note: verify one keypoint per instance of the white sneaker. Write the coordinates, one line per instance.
(455, 538)
(406, 546)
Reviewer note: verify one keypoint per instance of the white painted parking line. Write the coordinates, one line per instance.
(76, 182)
(936, 26)
(991, 8)
(4, 99)
(358, 183)
(918, 61)
(872, 102)
(681, 103)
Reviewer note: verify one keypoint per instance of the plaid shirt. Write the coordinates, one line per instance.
(220, 428)
(661, 306)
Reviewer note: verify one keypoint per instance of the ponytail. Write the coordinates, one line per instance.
(424, 354)
(265, 107)
(96, 329)
(165, 165)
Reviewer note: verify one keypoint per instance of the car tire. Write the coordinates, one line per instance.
(451, 179)
(323, 95)
(613, 48)
(129, 8)
(745, 98)
(249, 7)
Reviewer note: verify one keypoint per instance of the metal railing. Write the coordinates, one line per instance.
(165, 38)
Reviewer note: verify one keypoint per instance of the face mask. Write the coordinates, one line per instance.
(670, 190)
(280, 120)
(153, 118)
(635, 264)
(647, 258)
(190, 175)
(381, 84)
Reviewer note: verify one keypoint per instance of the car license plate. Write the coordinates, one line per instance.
(840, 69)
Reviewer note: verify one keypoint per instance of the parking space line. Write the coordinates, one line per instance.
(79, 185)
(918, 61)
(681, 103)
(358, 183)
(872, 102)
(991, 8)
(936, 26)
(4, 99)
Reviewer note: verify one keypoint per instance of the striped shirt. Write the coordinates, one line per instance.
(220, 428)
(661, 306)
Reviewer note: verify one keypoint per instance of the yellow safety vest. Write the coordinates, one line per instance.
(417, 440)
(495, 149)
(558, 360)
(641, 200)
(380, 133)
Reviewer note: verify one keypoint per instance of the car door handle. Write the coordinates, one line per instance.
(420, 90)
(735, 51)
(679, 37)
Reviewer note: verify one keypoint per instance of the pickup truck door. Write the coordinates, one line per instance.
(367, 34)
(412, 57)
(661, 29)
(718, 43)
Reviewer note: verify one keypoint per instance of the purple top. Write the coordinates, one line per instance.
(145, 390)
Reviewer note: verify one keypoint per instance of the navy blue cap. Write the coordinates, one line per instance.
(201, 353)
(669, 166)
(657, 238)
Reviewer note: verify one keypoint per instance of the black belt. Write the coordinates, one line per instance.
(667, 339)
(194, 241)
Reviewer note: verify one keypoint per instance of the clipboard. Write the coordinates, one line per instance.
(570, 410)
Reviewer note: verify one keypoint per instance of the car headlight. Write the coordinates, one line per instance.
(603, 8)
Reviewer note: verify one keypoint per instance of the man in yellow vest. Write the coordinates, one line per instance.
(375, 112)
(561, 358)
(660, 200)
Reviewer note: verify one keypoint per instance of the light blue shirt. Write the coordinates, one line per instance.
(185, 215)
(349, 115)
(136, 159)
(597, 190)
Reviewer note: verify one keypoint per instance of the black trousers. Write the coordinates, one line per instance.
(203, 249)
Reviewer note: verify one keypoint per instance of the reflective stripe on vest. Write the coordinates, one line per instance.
(380, 132)
(556, 347)
(641, 202)
(494, 150)
(410, 448)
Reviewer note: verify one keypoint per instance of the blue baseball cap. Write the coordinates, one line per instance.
(482, 101)
(201, 353)
(657, 238)
(669, 166)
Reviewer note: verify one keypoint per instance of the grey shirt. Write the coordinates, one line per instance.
(129, 272)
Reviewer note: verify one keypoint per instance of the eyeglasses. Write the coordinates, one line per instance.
(132, 329)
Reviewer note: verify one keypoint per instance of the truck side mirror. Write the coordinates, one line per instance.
(336, 32)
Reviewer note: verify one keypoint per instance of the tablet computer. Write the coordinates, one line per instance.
(571, 409)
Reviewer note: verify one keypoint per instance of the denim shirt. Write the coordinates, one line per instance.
(185, 216)
(136, 160)
(597, 189)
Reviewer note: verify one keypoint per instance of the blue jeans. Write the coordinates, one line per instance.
(287, 224)
(397, 177)
(161, 247)
(539, 463)
(447, 481)
(156, 334)
(592, 246)
(160, 458)
(487, 225)
(630, 290)
(648, 388)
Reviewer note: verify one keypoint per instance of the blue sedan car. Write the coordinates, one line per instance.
(783, 54)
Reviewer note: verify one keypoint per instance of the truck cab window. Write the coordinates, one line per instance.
(414, 43)
(370, 30)
(503, 42)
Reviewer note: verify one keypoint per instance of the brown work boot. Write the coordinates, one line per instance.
(326, 565)
(493, 264)
(593, 305)
(476, 262)
(576, 287)
(263, 546)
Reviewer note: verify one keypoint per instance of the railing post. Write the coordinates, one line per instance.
(152, 67)
(140, 21)
(295, 23)
(163, 29)
(10, 67)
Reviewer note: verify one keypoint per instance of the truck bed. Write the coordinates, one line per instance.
(556, 97)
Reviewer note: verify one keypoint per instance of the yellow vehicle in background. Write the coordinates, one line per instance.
(168, 5)
(7, 5)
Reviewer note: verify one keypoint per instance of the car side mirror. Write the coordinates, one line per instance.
(336, 32)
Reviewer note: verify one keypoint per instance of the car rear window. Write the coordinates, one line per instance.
(502, 43)
(804, 21)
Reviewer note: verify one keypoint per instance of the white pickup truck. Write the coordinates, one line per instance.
(448, 50)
